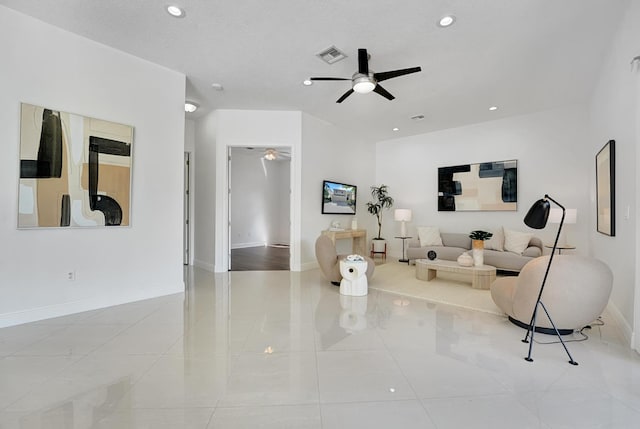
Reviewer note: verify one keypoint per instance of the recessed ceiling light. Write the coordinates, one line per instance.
(190, 107)
(396, 129)
(307, 82)
(175, 11)
(493, 108)
(446, 21)
(217, 86)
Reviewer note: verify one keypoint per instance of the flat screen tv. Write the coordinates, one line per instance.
(338, 198)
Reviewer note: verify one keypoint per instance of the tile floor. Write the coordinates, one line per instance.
(285, 350)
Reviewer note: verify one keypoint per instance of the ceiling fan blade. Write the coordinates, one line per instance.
(386, 94)
(363, 61)
(345, 95)
(395, 73)
(329, 78)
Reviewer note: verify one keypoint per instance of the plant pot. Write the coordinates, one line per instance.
(477, 247)
(379, 245)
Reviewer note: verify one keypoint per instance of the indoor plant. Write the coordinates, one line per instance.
(382, 201)
(477, 244)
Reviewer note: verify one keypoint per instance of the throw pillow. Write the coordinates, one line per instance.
(496, 242)
(515, 241)
(429, 236)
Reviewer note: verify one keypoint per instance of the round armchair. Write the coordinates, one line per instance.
(329, 260)
(575, 294)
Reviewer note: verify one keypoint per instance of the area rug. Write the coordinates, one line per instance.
(447, 288)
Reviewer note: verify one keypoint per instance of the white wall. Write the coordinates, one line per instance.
(279, 175)
(205, 195)
(47, 66)
(259, 200)
(614, 115)
(328, 153)
(553, 158)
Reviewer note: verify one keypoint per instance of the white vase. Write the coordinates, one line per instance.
(478, 252)
(478, 257)
(465, 260)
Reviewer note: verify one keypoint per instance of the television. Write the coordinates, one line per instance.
(338, 198)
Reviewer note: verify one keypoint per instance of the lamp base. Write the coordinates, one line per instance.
(539, 329)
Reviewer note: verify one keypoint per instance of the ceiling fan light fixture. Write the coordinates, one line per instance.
(270, 154)
(446, 21)
(363, 85)
(175, 11)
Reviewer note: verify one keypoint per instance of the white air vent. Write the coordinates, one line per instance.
(331, 55)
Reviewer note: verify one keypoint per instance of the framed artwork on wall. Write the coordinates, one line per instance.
(606, 189)
(75, 171)
(486, 186)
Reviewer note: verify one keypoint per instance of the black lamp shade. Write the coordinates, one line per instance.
(538, 214)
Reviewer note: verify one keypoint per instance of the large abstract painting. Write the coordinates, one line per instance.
(75, 171)
(490, 186)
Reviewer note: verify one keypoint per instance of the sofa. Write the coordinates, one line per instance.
(455, 244)
(576, 292)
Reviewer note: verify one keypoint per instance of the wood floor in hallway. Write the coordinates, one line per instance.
(263, 258)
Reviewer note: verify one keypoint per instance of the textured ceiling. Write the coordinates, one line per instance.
(523, 55)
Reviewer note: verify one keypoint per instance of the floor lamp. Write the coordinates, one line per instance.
(536, 218)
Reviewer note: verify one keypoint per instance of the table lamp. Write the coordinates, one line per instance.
(571, 217)
(402, 215)
(537, 218)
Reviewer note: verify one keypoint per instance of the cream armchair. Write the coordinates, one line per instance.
(329, 260)
(576, 292)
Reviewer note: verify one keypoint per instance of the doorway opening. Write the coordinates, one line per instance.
(259, 208)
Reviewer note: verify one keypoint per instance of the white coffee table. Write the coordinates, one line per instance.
(481, 276)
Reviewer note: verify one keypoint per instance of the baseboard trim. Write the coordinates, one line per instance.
(247, 245)
(68, 308)
(204, 265)
(624, 325)
(308, 266)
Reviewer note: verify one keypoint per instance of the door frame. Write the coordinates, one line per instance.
(222, 243)
(230, 197)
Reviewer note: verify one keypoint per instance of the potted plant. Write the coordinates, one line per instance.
(382, 202)
(477, 244)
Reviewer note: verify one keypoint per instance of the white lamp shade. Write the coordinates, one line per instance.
(570, 216)
(402, 215)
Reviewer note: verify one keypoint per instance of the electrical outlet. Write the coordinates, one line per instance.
(71, 275)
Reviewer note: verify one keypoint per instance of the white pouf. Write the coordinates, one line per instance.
(354, 279)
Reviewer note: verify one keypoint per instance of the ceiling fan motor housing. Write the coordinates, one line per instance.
(363, 83)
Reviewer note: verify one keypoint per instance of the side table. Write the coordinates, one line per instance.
(404, 259)
(560, 248)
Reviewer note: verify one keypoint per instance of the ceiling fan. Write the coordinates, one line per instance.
(364, 81)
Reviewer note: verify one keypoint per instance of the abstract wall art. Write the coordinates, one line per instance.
(75, 171)
(486, 186)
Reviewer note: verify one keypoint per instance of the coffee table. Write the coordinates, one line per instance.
(481, 277)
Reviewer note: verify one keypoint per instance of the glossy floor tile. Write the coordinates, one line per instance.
(284, 350)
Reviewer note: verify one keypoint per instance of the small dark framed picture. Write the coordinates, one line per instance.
(606, 189)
